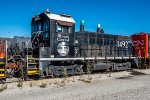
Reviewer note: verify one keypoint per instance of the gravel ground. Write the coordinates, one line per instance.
(120, 86)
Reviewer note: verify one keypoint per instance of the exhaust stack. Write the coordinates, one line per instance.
(82, 26)
(98, 28)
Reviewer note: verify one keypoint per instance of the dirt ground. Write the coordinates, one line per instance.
(125, 85)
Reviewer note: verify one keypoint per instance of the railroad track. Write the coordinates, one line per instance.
(20, 79)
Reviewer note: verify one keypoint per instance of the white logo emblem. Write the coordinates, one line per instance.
(63, 48)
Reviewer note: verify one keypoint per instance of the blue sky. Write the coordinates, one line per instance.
(115, 16)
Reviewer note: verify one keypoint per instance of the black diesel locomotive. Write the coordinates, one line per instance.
(59, 46)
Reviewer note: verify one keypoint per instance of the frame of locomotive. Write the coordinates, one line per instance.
(62, 47)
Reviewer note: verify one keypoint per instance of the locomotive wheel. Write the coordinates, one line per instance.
(80, 71)
(111, 68)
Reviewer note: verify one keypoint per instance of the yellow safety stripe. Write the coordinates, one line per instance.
(33, 72)
(2, 75)
(33, 58)
(2, 62)
(33, 69)
(2, 69)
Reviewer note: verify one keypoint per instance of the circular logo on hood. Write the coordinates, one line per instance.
(63, 48)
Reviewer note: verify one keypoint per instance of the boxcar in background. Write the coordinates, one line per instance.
(141, 45)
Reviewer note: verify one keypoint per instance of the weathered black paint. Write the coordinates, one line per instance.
(51, 41)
